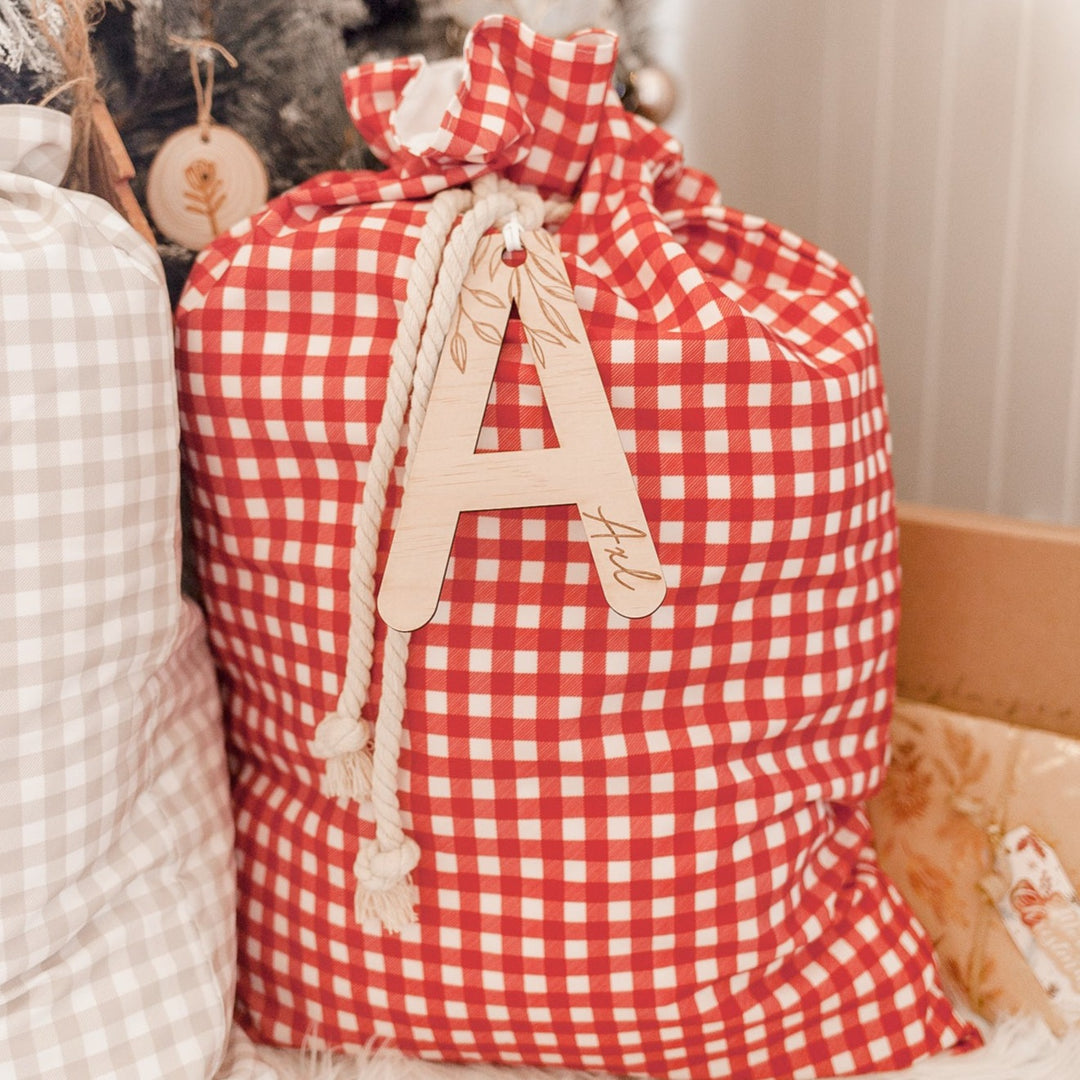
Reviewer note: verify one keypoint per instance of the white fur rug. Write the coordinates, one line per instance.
(1016, 1050)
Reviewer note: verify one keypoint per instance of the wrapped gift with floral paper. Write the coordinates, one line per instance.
(977, 825)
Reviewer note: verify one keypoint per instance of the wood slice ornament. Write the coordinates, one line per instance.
(207, 177)
(199, 186)
(588, 467)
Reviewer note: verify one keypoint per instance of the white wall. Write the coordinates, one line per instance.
(934, 146)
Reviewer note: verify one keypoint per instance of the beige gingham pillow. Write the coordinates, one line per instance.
(116, 878)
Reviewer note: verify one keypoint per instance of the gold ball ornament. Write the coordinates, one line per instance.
(654, 90)
(203, 180)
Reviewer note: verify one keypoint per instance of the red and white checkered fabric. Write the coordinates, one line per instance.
(643, 848)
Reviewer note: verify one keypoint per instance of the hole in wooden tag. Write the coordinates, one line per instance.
(517, 415)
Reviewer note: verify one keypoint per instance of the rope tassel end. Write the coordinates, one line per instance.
(348, 776)
(344, 744)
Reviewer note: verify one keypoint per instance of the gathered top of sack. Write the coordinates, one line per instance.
(35, 143)
(516, 103)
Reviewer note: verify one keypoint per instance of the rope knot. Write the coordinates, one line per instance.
(530, 209)
(379, 869)
(339, 734)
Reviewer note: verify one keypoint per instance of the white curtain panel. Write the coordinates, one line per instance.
(933, 146)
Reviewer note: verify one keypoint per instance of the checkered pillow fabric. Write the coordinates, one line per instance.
(117, 891)
(643, 844)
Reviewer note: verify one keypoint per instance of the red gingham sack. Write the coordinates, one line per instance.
(641, 842)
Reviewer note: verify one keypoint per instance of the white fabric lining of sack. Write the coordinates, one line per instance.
(1017, 1049)
(424, 102)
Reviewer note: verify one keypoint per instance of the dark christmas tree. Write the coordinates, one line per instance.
(284, 93)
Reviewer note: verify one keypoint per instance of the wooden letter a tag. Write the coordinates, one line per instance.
(588, 467)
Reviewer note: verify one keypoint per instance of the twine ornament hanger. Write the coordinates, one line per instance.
(99, 163)
(204, 88)
(206, 177)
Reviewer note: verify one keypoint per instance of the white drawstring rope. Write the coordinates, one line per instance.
(384, 864)
(342, 737)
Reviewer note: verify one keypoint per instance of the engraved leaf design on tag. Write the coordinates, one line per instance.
(469, 320)
(205, 191)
